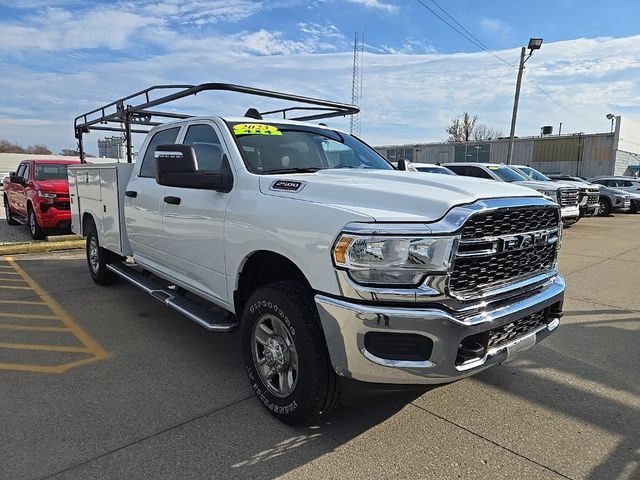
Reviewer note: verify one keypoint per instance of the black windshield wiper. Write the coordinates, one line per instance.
(292, 170)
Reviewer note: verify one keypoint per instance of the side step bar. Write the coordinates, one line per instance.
(214, 319)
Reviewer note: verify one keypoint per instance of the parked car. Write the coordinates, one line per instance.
(630, 185)
(37, 194)
(431, 168)
(589, 194)
(609, 200)
(565, 196)
(335, 266)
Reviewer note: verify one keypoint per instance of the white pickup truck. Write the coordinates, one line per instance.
(335, 266)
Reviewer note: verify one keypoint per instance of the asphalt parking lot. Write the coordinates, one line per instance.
(108, 383)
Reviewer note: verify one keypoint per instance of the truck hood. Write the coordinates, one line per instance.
(389, 195)
(537, 185)
(53, 186)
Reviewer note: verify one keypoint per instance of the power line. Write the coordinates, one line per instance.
(469, 36)
(544, 92)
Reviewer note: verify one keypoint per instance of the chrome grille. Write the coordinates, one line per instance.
(593, 196)
(483, 260)
(513, 330)
(568, 197)
(507, 222)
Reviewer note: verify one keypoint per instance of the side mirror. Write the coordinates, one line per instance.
(177, 166)
(13, 178)
(402, 164)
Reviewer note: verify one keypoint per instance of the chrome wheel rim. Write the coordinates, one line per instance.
(601, 208)
(274, 355)
(94, 261)
(32, 222)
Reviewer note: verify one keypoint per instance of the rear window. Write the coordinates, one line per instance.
(50, 171)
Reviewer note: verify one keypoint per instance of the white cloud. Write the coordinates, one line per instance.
(202, 12)
(377, 4)
(494, 25)
(410, 45)
(265, 42)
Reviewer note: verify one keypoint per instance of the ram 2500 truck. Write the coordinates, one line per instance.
(335, 266)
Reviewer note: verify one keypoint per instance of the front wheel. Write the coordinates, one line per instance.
(37, 233)
(605, 207)
(285, 354)
(98, 258)
(7, 213)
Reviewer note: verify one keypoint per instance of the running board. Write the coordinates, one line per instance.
(214, 319)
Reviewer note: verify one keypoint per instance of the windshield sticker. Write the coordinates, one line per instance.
(255, 129)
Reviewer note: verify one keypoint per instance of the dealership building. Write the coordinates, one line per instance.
(585, 155)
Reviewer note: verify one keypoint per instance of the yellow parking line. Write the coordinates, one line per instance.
(27, 315)
(46, 348)
(21, 302)
(33, 329)
(15, 280)
(90, 346)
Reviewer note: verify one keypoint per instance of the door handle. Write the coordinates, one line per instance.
(172, 200)
(131, 193)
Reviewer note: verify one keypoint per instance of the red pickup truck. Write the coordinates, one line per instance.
(37, 194)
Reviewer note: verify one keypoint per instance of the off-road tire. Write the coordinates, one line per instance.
(7, 213)
(37, 232)
(98, 258)
(316, 391)
(605, 207)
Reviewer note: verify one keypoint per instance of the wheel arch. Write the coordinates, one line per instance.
(261, 268)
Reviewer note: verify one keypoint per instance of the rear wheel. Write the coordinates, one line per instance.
(37, 233)
(7, 213)
(98, 258)
(605, 207)
(285, 354)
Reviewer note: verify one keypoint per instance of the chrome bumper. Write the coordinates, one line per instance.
(345, 325)
(570, 211)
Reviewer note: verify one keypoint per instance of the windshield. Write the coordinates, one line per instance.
(51, 171)
(534, 174)
(506, 174)
(279, 148)
(442, 170)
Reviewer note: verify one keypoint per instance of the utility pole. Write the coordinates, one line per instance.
(534, 44)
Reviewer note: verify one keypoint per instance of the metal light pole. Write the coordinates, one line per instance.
(611, 117)
(534, 44)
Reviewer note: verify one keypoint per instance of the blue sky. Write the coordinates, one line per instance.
(60, 58)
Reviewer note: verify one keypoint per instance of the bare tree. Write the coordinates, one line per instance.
(461, 130)
(9, 147)
(68, 152)
(484, 132)
(38, 149)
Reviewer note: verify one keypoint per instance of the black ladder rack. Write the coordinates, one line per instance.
(134, 114)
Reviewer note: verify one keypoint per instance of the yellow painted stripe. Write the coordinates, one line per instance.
(21, 302)
(62, 315)
(45, 348)
(33, 329)
(46, 368)
(27, 315)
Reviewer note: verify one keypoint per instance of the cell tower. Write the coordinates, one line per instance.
(356, 82)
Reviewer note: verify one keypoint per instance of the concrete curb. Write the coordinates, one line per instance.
(38, 247)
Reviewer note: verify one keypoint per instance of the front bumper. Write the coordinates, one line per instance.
(570, 212)
(53, 218)
(345, 325)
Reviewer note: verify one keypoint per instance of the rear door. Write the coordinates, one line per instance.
(193, 219)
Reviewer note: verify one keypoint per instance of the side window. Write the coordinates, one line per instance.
(626, 183)
(26, 172)
(459, 169)
(478, 173)
(148, 167)
(21, 169)
(207, 146)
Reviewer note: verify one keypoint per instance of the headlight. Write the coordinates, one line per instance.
(42, 194)
(553, 194)
(392, 260)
